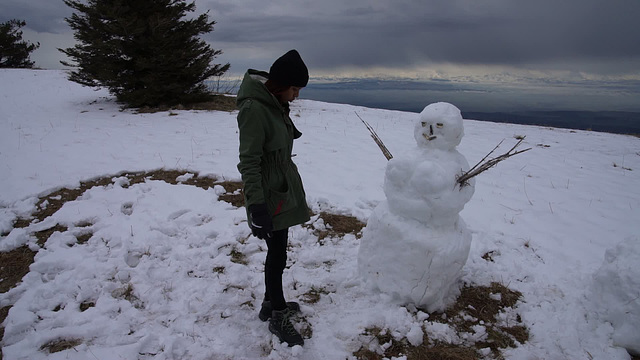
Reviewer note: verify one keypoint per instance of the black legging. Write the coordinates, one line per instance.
(273, 268)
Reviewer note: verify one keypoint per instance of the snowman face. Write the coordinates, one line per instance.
(439, 126)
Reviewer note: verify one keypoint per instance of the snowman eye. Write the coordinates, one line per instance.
(439, 125)
(424, 124)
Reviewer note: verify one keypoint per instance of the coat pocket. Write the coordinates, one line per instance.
(280, 202)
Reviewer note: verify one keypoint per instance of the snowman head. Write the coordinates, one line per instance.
(439, 127)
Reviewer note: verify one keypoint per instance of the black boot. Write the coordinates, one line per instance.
(266, 309)
(280, 325)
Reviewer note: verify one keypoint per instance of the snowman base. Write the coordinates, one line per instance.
(411, 261)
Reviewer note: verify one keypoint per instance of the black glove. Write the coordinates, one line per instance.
(261, 224)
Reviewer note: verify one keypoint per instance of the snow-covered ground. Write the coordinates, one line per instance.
(158, 269)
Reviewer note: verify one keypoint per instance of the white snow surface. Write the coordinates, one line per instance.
(547, 216)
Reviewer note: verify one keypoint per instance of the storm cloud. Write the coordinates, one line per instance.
(595, 36)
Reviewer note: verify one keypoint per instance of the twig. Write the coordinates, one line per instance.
(377, 139)
(486, 156)
(483, 165)
(524, 184)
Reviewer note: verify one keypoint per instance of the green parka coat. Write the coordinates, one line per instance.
(266, 141)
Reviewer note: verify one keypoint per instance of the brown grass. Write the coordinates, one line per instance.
(128, 293)
(306, 330)
(3, 315)
(238, 257)
(57, 199)
(338, 226)
(313, 296)
(474, 301)
(58, 345)
(217, 103)
(86, 305)
(15, 265)
(44, 235)
(397, 348)
(488, 256)
(83, 237)
(20, 223)
(233, 193)
(477, 301)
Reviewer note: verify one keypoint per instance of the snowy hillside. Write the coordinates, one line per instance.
(169, 272)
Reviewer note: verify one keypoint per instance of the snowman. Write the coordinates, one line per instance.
(415, 243)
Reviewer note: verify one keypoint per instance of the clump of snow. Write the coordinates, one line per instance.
(415, 336)
(616, 293)
(416, 243)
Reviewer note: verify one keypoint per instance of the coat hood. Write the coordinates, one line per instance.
(253, 87)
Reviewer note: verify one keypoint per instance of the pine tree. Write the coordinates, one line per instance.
(143, 51)
(14, 52)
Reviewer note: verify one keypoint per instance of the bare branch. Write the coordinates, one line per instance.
(486, 156)
(483, 165)
(377, 139)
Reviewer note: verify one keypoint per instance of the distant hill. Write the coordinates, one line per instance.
(619, 122)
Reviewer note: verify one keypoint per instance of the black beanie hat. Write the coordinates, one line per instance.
(289, 70)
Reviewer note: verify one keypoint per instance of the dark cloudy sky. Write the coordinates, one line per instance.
(497, 40)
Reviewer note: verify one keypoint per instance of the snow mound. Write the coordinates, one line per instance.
(616, 293)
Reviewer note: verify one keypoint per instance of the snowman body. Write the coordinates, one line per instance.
(415, 242)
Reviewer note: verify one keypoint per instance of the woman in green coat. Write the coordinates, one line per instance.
(273, 190)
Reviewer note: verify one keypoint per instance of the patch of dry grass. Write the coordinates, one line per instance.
(128, 293)
(337, 225)
(238, 257)
(58, 345)
(86, 305)
(217, 103)
(49, 204)
(482, 302)
(3, 315)
(476, 305)
(306, 329)
(15, 265)
(83, 237)
(426, 351)
(313, 296)
(44, 235)
(233, 193)
(20, 224)
(488, 256)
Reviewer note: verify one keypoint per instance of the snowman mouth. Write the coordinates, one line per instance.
(429, 138)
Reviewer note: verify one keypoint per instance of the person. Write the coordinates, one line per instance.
(273, 190)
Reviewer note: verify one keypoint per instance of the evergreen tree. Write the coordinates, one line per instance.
(14, 52)
(143, 51)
